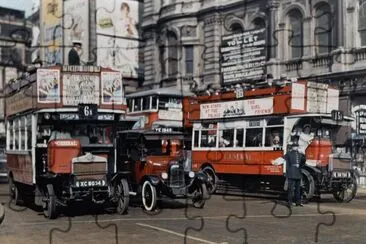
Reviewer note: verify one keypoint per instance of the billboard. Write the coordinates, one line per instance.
(48, 86)
(76, 26)
(118, 18)
(112, 89)
(243, 55)
(120, 54)
(51, 35)
(118, 36)
(239, 108)
(80, 88)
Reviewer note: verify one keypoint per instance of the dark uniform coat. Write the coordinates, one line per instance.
(74, 58)
(295, 161)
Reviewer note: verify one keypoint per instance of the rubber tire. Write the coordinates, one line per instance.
(311, 181)
(202, 198)
(2, 213)
(15, 196)
(122, 206)
(50, 211)
(154, 196)
(353, 193)
(209, 171)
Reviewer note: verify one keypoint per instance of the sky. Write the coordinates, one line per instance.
(25, 5)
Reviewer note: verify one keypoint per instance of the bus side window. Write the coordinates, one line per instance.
(226, 138)
(239, 138)
(254, 137)
(154, 102)
(196, 138)
(146, 103)
(274, 137)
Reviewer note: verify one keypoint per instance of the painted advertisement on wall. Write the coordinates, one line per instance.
(120, 54)
(80, 88)
(118, 18)
(76, 26)
(112, 89)
(51, 34)
(48, 86)
(247, 107)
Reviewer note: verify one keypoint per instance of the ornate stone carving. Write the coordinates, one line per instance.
(189, 30)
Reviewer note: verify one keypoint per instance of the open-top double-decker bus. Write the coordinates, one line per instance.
(61, 123)
(240, 137)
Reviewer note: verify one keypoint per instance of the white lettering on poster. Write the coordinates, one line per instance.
(237, 108)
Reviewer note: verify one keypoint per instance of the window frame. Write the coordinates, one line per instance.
(291, 15)
(320, 7)
(362, 29)
(189, 62)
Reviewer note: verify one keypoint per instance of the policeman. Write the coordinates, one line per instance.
(74, 57)
(295, 161)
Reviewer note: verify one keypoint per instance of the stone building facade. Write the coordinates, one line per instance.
(306, 38)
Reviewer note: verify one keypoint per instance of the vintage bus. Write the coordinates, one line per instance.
(61, 123)
(240, 136)
(159, 108)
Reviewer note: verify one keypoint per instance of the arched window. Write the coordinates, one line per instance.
(236, 28)
(362, 22)
(324, 28)
(172, 53)
(258, 23)
(295, 35)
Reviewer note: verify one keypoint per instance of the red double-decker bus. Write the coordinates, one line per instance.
(61, 123)
(240, 136)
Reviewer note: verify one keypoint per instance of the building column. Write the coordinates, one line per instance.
(340, 16)
(272, 7)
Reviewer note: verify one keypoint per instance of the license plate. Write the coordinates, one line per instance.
(90, 183)
(341, 174)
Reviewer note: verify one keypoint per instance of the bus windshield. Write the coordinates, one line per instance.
(162, 147)
(87, 133)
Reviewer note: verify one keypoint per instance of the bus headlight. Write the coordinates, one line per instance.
(164, 175)
(191, 174)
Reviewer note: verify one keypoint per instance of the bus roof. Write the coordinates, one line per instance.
(166, 91)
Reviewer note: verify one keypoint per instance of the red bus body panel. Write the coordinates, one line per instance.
(21, 167)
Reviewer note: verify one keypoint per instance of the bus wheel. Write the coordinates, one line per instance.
(212, 179)
(15, 193)
(149, 196)
(201, 194)
(49, 202)
(346, 191)
(307, 186)
(123, 196)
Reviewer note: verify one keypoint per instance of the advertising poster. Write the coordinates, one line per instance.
(51, 34)
(118, 18)
(112, 92)
(120, 54)
(76, 26)
(248, 107)
(298, 96)
(243, 55)
(48, 86)
(80, 89)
